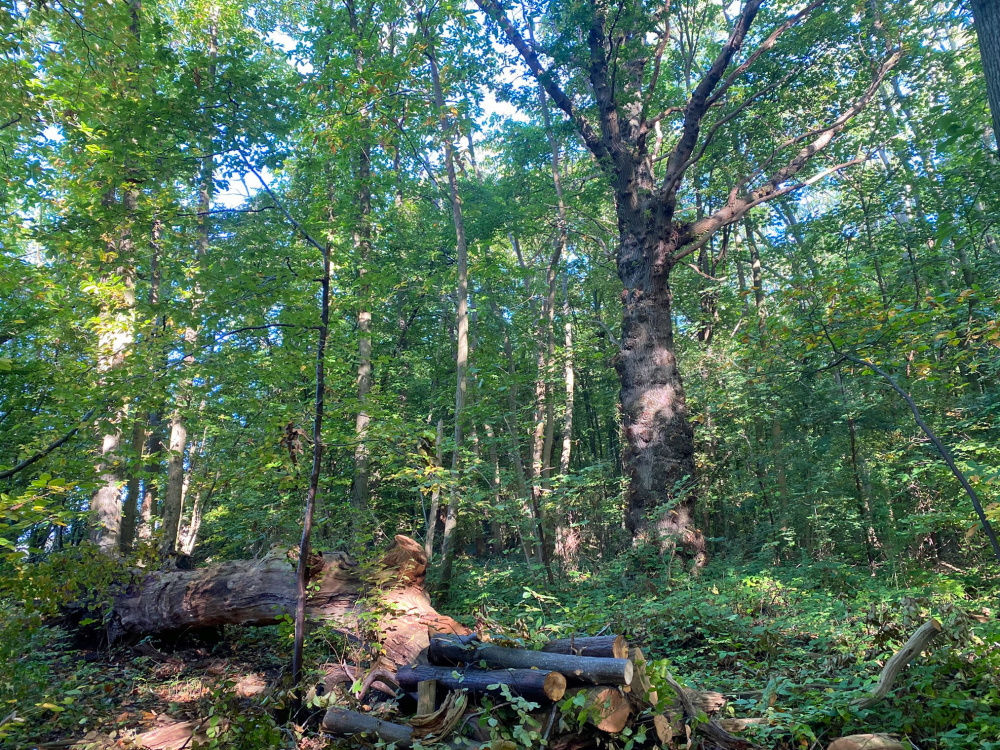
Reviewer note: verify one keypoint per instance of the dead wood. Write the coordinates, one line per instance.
(712, 728)
(605, 646)
(448, 651)
(606, 707)
(640, 692)
(258, 592)
(866, 742)
(342, 722)
(532, 684)
(897, 663)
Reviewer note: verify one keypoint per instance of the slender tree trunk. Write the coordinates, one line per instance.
(569, 377)
(432, 517)
(864, 511)
(461, 319)
(154, 442)
(362, 244)
(528, 510)
(177, 477)
(118, 331)
(133, 501)
(302, 569)
(496, 531)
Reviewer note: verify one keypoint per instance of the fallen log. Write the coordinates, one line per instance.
(592, 670)
(349, 723)
(912, 648)
(532, 684)
(355, 725)
(259, 592)
(605, 646)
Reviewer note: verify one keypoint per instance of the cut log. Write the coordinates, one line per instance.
(866, 742)
(533, 684)
(349, 723)
(912, 648)
(258, 592)
(605, 706)
(449, 651)
(605, 646)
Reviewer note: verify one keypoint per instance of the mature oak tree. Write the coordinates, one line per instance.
(625, 45)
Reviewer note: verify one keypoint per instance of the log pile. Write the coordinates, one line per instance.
(570, 687)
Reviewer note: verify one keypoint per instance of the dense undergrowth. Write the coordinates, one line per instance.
(794, 644)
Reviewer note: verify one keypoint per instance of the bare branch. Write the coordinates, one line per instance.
(45, 451)
(494, 10)
(698, 104)
(766, 45)
(698, 232)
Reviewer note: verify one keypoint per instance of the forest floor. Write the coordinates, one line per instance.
(792, 644)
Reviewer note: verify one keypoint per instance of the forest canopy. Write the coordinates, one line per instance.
(677, 319)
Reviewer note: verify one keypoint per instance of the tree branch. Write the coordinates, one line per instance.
(45, 451)
(941, 448)
(764, 47)
(698, 104)
(279, 204)
(494, 10)
(736, 208)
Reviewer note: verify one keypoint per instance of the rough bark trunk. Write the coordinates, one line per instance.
(986, 14)
(258, 592)
(659, 438)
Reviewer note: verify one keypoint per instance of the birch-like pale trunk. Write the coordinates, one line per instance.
(461, 316)
(177, 477)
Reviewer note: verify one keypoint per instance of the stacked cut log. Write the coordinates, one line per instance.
(604, 679)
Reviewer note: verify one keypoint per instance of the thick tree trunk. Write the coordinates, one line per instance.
(659, 452)
(258, 592)
(986, 14)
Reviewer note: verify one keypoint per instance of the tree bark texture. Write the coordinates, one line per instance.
(986, 14)
(258, 592)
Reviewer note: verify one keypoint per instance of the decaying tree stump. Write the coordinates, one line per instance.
(259, 592)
